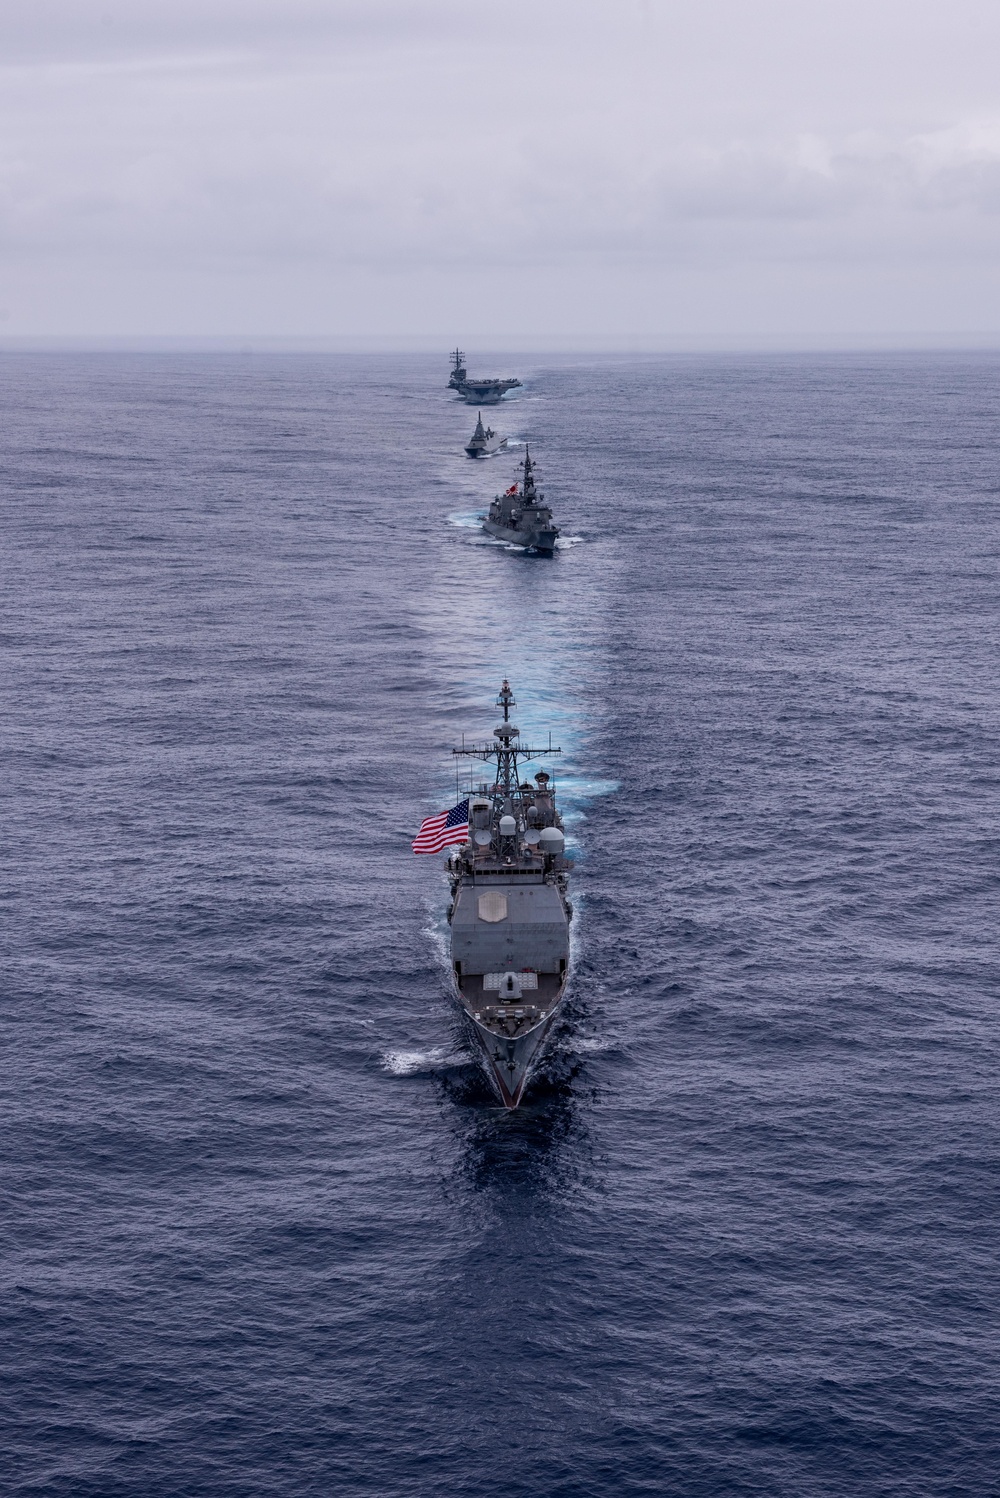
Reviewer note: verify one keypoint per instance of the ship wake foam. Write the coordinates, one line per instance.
(413, 1063)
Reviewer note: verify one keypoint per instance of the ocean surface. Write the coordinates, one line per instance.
(264, 1229)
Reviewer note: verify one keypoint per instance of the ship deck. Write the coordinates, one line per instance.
(513, 1016)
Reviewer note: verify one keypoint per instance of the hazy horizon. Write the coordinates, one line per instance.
(633, 175)
(481, 351)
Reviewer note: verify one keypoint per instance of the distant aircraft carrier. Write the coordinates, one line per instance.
(477, 392)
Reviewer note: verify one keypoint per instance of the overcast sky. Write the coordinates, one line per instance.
(659, 170)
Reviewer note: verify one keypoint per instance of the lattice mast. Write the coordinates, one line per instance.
(507, 752)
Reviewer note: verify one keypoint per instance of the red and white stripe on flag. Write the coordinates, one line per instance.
(447, 827)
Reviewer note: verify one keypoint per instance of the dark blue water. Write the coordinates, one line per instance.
(264, 1231)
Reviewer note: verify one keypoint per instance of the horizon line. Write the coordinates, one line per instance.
(816, 342)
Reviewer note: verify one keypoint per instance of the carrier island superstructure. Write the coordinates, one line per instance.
(510, 909)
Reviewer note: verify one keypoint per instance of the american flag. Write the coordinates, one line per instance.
(447, 827)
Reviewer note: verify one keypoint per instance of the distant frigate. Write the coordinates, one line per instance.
(484, 441)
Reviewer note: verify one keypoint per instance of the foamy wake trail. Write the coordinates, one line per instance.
(411, 1063)
(592, 1044)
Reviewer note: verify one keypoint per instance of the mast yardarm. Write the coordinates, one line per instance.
(507, 751)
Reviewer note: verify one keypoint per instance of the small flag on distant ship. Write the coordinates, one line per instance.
(511, 490)
(447, 827)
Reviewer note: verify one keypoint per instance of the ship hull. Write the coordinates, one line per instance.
(510, 1063)
(510, 955)
(489, 393)
(542, 541)
(485, 449)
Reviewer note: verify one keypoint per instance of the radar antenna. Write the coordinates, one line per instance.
(507, 751)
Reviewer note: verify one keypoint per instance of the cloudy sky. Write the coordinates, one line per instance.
(656, 171)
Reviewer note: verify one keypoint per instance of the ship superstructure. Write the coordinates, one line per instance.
(510, 908)
(477, 392)
(459, 373)
(520, 515)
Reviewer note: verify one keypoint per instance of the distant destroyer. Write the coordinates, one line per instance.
(521, 516)
(510, 910)
(477, 392)
(484, 441)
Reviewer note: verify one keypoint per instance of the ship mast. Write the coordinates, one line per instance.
(528, 487)
(506, 751)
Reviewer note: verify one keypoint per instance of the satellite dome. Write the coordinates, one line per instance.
(551, 840)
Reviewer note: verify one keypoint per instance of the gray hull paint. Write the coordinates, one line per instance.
(510, 1064)
(543, 540)
(486, 392)
(531, 943)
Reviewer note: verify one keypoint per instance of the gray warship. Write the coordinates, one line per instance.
(488, 392)
(521, 516)
(510, 910)
(484, 441)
